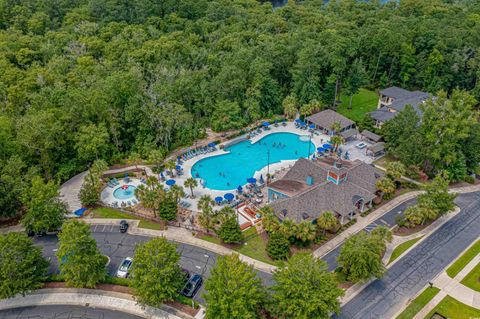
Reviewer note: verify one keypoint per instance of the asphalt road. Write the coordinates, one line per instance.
(385, 297)
(117, 246)
(388, 220)
(63, 312)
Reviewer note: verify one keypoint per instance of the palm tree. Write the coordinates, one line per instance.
(386, 186)
(327, 221)
(288, 227)
(177, 192)
(170, 166)
(395, 170)
(205, 201)
(305, 231)
(336, 126)
(191, 183)
(336, 140)
(270, 222)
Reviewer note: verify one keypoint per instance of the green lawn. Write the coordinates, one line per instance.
(461, 262)
(400, 249)
(105, 212)
(418, 303)
(454, 309)
(363, 102)
(472, 280)
(253, 247)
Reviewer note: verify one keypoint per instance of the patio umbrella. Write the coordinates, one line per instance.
(327, 146)
(320, 149)
(312, 126)
(284, 120)
(251, 180)
(218, 199)
(265, 124)
(261, 179)
(239, 189)
(211, 144)
(229, 196)
(170, 182)
(178, 168)
(162, 176)
(298, 121)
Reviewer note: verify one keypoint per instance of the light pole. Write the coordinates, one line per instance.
(268, 165)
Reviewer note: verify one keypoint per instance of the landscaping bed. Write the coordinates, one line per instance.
(407, 231)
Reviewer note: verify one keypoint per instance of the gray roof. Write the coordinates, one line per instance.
(328, 117)
(415, 99)
(324, 196)
(382, 114)
(371, 136)
(348, 133)
(395, 92)
(377, 147)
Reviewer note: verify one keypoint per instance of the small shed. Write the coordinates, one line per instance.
(371, 137)
(377, 149)
(348, 134)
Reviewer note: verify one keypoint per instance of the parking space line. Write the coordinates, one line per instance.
(103, 230)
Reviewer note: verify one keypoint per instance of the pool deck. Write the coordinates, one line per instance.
(107, 197)
(317, 140)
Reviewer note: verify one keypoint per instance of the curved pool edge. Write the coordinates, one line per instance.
(188, 168)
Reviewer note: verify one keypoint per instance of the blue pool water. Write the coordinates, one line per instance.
(228, 171)
(128, 193)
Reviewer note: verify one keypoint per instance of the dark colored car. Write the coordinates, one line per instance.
(192, 286)
(123, 226)
(185, 276)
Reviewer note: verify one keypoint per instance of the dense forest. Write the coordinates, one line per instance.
(87, 79)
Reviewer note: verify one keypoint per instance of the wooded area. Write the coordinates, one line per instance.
(107, 79)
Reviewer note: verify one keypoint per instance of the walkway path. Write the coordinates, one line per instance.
(453, 288)
(90, 298)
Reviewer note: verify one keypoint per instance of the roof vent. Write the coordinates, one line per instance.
(337, 164)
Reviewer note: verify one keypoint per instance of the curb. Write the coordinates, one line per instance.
(86, 298)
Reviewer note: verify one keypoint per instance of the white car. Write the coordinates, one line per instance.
(124, 268)
(361, 145)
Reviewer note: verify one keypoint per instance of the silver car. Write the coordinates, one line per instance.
(124, 268)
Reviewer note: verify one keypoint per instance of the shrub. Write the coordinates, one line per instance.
(278, 246)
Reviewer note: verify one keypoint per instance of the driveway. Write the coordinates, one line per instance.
(383, 298)
(117, 246)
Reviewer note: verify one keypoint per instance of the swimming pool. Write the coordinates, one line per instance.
(128, 193)
(228, 171)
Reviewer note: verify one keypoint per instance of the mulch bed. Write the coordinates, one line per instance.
(127, 290)
(12, 221)
(405, 231)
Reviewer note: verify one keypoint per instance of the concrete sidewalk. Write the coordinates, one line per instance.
(91, 298)
(184, 236)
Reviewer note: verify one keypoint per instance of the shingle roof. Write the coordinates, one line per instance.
(395, 92)
(382, 114)
(371, 136)
(328, 117)
(348, 133)
(326, 196)
(377, 147)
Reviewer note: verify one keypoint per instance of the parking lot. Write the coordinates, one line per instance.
(118, 246)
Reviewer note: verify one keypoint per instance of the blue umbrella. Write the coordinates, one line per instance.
(284, 120)
(320, 149)
(218, 199)
(170, 182)
(178, 167)
(327, 146)
(261, 179)
(239, 189)
(80, 212)
(251, 180)
(298, 121)
(312, 126)
(211, 144)
(266, 124)
(229, 196)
